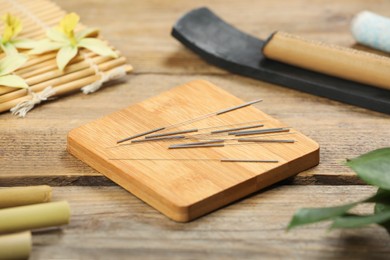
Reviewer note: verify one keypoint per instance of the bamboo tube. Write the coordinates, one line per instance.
(70, 86)
(19, 196)
(15, 246)
(36, 216)
(329, 59)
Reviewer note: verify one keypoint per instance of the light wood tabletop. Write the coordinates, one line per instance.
(110, 223)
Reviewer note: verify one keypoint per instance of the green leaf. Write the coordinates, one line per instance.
(357, 221)
(24, 43)
(311, 215)
(11, 63)
(12, 81)
(382, 196)
(57, 36)
(64, 55)
(9, 49)
(97, 46)
(373, 167)
(383, 207)
(87, 32)
(46, 45)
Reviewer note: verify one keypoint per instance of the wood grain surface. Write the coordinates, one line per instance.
(184, 183)
(110, 223)
(33, 149)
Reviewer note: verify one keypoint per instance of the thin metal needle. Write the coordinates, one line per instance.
(264, 140)
(200, 143)
(249, 161)
(236, 129)
(195, 146)
(263, 131)
(140, 134)
(220, 112)
(224, 160)
(159, 139)
(172, 133)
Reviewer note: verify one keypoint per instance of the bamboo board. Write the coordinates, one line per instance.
(41, 71)
(185, 190)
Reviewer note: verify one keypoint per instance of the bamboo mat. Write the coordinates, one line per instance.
(86, 70)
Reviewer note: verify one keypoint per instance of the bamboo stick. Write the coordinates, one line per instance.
(69, 69)
(47, 66)
(70, 86)
(39, 13)
(55, 74)
(75, 85)
(15, 246)
(36, 216)
(41, 70)
(34, 10)
(19, 196)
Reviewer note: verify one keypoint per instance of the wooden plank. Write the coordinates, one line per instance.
(33, 149)
(146, 40)
(111, 223)
(179, 182)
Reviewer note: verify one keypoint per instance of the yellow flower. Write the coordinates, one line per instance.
(68, 42)
(9, 42)
(67, 26)
(13, 26)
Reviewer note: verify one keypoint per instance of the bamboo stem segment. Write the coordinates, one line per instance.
(15, 246)
(19, 196)
(329, 59)
(34, 216)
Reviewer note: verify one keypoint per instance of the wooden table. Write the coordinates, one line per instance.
(109, 223)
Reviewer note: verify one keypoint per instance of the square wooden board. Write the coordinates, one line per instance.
(186, 189)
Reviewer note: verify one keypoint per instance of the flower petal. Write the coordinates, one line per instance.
(97, 46)
(7, 34)
(11, 63)
(56, 35)
(69, 22)
(9, 48)
(13, 81)
(87, 32)
(64, 55)
(46, 46)
(24, 43)
(13, 26)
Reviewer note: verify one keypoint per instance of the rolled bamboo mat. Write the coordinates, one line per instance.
(87, 71)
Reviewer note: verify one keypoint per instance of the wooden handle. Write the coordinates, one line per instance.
(329, 59)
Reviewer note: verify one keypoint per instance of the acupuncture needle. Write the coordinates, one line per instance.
(222, 144)
(238, 140)
(263, 131)
(196, 130)
(217, 113)
(194, 138)
(224, 160)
